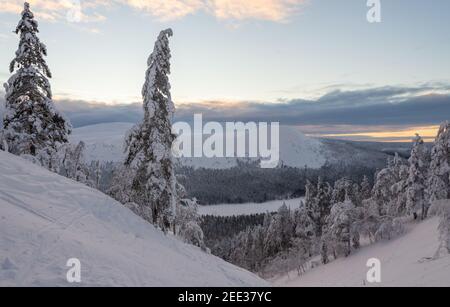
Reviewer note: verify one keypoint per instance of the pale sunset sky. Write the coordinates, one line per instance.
(316, 64)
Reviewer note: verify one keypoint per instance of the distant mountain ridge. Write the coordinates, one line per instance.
(105, 142)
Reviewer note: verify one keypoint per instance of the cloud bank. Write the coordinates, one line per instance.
(381, 106)
(383, 113)
(375, 107)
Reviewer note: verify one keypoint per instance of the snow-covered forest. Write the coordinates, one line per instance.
(342, 209)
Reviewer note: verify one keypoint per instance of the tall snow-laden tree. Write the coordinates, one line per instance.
(439, 176)
(417, 176)
(365, 189)
(149, 144)
(345, 188)
(387, 202)
(304, 231)
(343, 228)
(187, 223)
(318, 205)
(279, 231)
(32, 125)
(388, 185)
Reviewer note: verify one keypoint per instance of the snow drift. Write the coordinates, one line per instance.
(47, 219)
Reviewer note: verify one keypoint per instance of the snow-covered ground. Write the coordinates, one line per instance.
(105, 142)
(403, 263)
(46, 219)
(248, 208)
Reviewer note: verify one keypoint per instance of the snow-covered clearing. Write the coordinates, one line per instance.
(47, 219)
(403, 263)
(248, 208)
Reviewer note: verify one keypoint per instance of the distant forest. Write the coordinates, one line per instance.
(250, 183)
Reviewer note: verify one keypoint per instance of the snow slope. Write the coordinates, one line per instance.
(104, 142)
(47, 219)
(248, 208)
(402, 263)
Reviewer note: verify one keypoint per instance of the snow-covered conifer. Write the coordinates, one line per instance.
(304, 231)
(345, 188)
(32, 125)
(365, 189)
(388, 201)
(343, 231)
(149, 143)
(280, 231)
(385, 191)
(398, 206)
(418, 168)
(318, 205)
(439, 176)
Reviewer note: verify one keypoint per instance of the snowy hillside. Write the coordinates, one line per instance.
(104, 142)
(403, 263)
(47, 219)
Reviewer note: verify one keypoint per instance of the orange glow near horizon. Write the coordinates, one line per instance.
(428, 133)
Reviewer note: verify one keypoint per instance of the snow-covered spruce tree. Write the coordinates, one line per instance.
(346, 188)
(258, 233)
(149, 144)
(304, 229)
(302, 242)
(384, 193)
(32, 125)
(387, 201)
(365, 189)
(343, 231)
(418, 169)
(279, 232)
(399, 190)
(318, 205)
(439, 171)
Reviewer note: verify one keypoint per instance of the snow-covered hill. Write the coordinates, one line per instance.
(46, 219)
(403, 263)
(104, 142)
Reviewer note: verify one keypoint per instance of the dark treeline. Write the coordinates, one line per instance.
(250, 183)
(217, 228)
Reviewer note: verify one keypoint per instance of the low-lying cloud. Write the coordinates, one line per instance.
(338, 112)
(376, 107)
